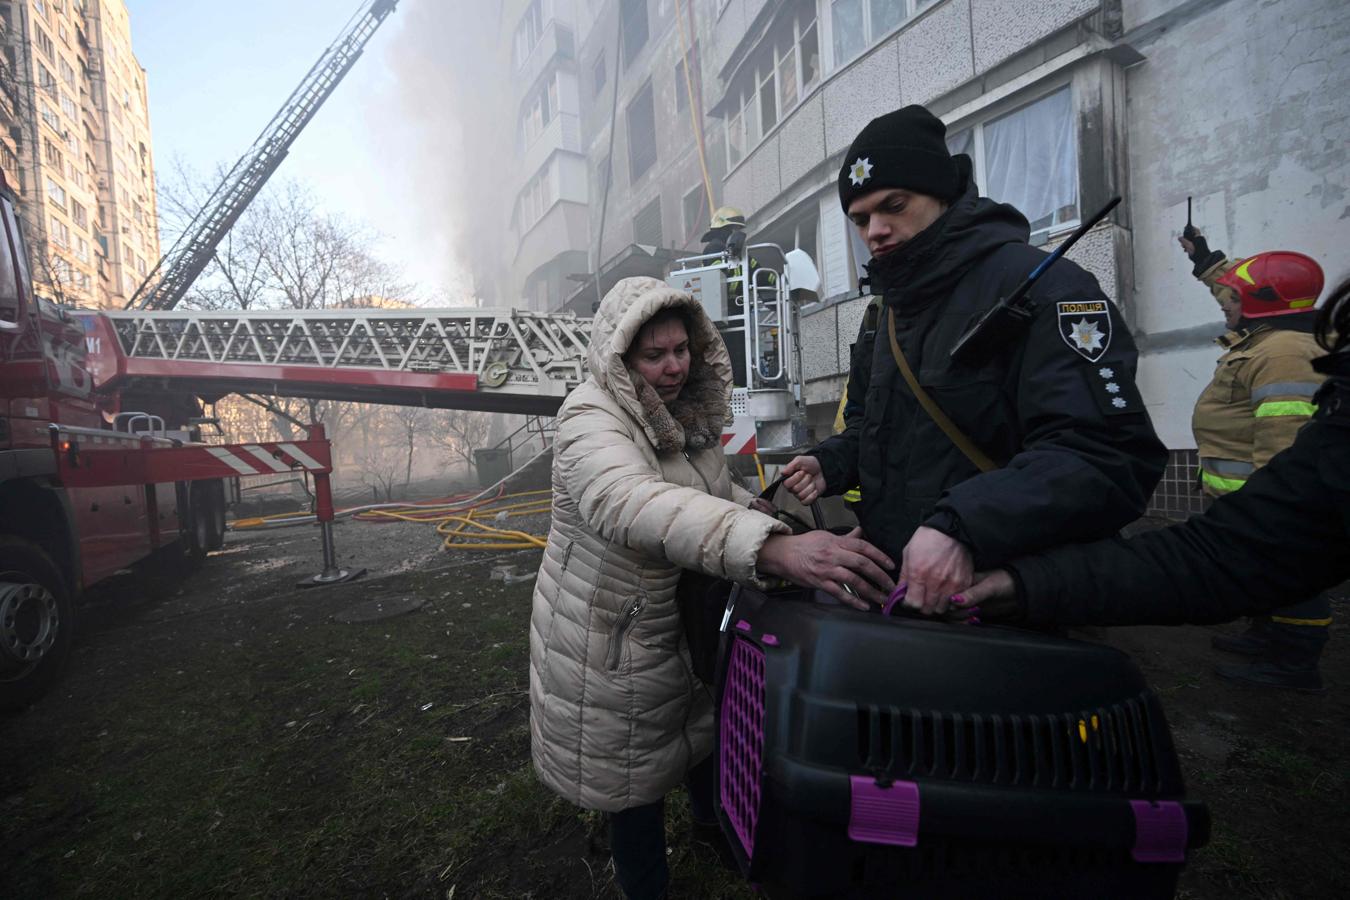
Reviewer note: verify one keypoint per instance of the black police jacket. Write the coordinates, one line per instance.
(1056, 406)
(1286, 533)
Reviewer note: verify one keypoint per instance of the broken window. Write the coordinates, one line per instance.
(634, 13)
(641, 133)
(694, 217)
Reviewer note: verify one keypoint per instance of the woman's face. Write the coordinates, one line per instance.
(661, 356)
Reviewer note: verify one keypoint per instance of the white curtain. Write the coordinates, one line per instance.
(1031, 160)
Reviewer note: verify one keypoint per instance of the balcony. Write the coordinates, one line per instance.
(563, 228)
(556, 43)
(563, 133)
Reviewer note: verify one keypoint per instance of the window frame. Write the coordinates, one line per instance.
(529, 32)
(1009, 106)
(627, 51)
(59, 232)
(869, 38)
(644, 210)
(54, 189)
(646, 91)
(44, 44)
(759, 79)
(599, 74)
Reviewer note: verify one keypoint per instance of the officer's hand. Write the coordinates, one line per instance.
(831, 562)
(804, 478)
(934, 567)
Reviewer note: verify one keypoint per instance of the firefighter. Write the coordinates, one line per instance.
(727, 227)
(726, 234)
(1261, 394)
(1049, 438)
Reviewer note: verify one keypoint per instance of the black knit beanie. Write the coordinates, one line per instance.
(906, 149)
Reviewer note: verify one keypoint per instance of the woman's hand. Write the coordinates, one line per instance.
(846, 567)
(993, 596)
(804, 478)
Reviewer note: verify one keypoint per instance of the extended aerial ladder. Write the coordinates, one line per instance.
(506, 361)
(169, 281)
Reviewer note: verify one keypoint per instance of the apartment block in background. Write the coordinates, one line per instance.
(83, 159)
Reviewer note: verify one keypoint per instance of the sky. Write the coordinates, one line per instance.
(218, 72)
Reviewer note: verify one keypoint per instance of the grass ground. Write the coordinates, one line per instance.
(230, 737)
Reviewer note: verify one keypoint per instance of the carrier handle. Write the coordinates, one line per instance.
(772, 491)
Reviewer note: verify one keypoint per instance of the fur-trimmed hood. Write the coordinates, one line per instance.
(695, 420)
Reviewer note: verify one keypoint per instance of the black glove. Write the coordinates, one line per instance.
(1201, 246)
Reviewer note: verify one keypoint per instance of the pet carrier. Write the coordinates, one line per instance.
(866, 756)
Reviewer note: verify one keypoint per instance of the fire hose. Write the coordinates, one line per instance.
(468, 522)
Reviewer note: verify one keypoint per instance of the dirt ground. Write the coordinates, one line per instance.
(227, 735)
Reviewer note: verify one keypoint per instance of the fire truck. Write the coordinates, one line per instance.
(102, 462)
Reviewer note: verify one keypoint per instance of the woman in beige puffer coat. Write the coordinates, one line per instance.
(641, 491)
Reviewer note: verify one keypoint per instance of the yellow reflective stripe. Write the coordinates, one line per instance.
(1318, 623)
(1219, 483)
(1302, 304)
(1285, 408)
(1241, 271)
(853, 496)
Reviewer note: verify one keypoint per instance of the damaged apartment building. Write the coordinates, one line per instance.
(630, 113)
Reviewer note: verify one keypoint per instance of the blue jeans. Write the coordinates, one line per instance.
(637, 836)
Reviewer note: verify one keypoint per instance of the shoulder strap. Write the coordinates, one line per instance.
(956, 435)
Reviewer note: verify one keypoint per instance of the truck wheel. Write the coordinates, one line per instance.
(36, 622)
(215, 492)
(198, 538)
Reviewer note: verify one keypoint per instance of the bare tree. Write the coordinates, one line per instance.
(379, 471)
(282, 253)
(411, 425)
(460, 431)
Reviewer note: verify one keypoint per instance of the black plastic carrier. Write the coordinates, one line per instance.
(866, 756)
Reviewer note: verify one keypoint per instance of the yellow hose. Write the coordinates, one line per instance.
(453, 520)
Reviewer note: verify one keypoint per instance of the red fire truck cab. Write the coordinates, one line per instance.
(78, 499)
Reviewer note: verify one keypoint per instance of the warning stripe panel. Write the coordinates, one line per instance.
(302, 457)
(232, 461)
(267, 458)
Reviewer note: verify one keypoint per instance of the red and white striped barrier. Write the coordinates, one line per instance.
(265, 459)
(739, 436)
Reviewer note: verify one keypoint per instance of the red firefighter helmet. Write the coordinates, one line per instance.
(1276, 283)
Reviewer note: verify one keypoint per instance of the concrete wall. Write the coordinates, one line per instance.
(1243, 105)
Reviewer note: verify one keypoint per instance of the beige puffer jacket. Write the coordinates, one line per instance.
(639, 493)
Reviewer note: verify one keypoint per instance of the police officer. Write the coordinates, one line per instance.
(1260, 396)
(1049, 439)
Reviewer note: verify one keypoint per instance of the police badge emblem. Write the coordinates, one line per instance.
(1085, 325)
